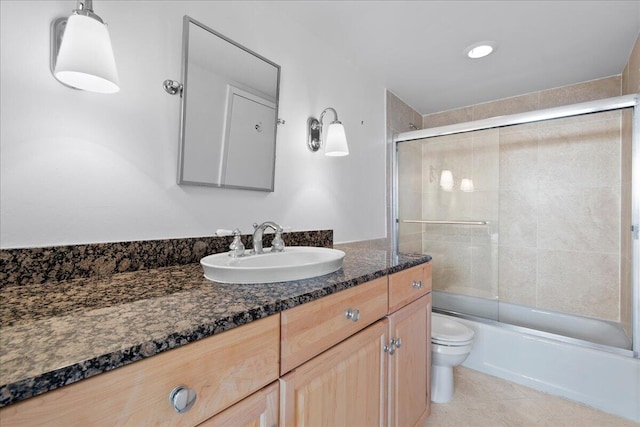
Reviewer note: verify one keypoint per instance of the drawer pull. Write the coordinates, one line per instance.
(352, 314)
(182, 398)
(417, 284)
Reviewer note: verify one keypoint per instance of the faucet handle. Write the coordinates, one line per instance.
(277, 244)
(236, 247)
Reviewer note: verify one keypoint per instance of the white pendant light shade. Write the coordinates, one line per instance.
(85, 60)
(336, 144)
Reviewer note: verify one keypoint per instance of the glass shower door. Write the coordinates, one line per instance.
(448, 205)
(528, 224)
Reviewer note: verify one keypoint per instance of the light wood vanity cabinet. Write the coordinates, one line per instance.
(376, 377)
(222, 370)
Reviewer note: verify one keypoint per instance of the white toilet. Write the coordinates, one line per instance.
(451, 343)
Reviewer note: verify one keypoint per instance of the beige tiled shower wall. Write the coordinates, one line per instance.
(560, 215)
(399, 118)
(626, 297)
(551, 192)
(630, 84)
(465, 257)
(581, 92)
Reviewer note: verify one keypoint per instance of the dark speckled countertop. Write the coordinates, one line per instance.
(56, 334)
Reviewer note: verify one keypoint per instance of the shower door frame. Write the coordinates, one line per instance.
(597, 106)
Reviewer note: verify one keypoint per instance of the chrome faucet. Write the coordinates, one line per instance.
(278, 244)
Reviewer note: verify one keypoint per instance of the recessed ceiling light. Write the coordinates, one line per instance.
(480, 50)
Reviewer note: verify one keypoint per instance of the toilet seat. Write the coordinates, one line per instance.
(451, 343)
(445, 331)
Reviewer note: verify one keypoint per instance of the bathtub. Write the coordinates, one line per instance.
(587, 331)
(595, 374)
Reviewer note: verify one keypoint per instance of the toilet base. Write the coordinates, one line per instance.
(441, 384)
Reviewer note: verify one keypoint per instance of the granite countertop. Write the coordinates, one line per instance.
(58, 333)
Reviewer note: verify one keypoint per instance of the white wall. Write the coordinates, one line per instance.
(79, 167)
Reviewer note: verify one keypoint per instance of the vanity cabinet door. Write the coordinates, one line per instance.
(311, 328)
(344, 386)
(258, 410)
(410, 364)
(409, 285)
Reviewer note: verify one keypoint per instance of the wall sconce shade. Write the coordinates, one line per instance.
(336, 142)
(82, 56)
(446, 180)
(466, 185)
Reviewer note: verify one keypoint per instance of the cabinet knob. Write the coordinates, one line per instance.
(352, 314)
(396, 342)
(417, 284)
(182, 398)
(389, 349)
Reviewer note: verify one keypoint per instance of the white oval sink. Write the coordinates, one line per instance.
(294, 263)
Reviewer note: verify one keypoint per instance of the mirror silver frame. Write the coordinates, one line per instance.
(183, 106)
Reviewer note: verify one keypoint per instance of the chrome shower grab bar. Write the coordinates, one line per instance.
(445, 222)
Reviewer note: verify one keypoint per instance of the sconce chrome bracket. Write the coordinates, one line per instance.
(85, 7)
(314, 130)
(57, 31)
(172, 87)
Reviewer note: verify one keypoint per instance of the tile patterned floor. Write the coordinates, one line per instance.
(481, 400)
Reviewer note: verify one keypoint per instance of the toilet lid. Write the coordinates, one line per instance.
(447, 330)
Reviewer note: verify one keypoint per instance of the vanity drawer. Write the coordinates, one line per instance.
(260, 409)
(312, 328)
(222, 370)
(409, 285)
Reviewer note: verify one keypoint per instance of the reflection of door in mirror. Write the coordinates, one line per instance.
(229, 112)
(247, 151)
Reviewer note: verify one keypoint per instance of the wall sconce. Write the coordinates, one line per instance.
(447, 182)
(466, 185)
(336, 142)
(81, 53)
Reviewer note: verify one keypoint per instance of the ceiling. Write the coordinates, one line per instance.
(417, 47)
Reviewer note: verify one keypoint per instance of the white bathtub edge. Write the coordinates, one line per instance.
(605, 381)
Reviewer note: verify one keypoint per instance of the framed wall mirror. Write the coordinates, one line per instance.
(229, 112)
